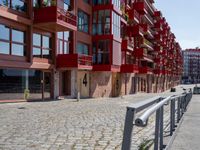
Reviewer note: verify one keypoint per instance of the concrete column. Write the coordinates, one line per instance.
(56, 84)
(74, 85)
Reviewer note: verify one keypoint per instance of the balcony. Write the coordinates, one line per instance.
(145, 70)
(147, 44)
(127, 45)
(160, 72)
(158, 60)
(157, 15)
(141, 7)
(147, 31)
(158, 26)
(149, 19)
(129, 68)
(135, 30)
(158, 38)
(141, 53)
(79, 61)
(54, 19)
(134, 15)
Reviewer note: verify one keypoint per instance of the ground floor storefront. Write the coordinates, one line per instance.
(25, 84)
(40, 84)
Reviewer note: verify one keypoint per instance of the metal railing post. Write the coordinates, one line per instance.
(178, 109)
(172, 116)
(161, 126)
(128, 128)
(157, 130)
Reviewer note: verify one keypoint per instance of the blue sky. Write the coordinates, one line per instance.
(183, 17)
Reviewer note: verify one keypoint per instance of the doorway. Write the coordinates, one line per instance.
(65, 83)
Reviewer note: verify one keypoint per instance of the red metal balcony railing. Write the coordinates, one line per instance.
(127, 45)
(135, 30)
(158, 38)
(158, 25)
(145, 70)
(55, 18)
(141, 7)
(79, 61)
(134, 15)
(129, 68)
(141, 53)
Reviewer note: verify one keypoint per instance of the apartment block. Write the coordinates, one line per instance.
(85, 48)
(191, 72)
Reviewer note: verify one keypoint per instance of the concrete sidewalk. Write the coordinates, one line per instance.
(188, 135)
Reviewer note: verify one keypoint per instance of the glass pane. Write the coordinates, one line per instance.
(46, 54)
(36, 39)
(66, 35)
(60, 35)
(35, 86)
(46, 42)
(4, 48)
(66, 48)
(17, 50)
(5, 3)
(12, 84)
(36, 52)
(79, 48)
(18, 36)
(19, 5)
(5, 32)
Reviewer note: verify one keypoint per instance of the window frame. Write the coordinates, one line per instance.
(11, 42)
(41, 46)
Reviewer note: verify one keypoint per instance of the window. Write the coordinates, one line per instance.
(102, 24)
(83, 21)
(115, 24)
(116, 3)
(64, 42)
(16, 46)
(19, 5)
(42, 46)
(101, 2)
(67, 5)
(101, 52)
(82, 48)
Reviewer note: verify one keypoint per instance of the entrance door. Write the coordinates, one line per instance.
(66, 83)
(116, 84)
(47, 85)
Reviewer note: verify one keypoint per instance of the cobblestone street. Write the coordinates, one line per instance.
(66, 124)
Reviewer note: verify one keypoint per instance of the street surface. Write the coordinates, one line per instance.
(66, 124)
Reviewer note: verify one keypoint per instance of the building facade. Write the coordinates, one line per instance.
(191, 59)
(86, 48)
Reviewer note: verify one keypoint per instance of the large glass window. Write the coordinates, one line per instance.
(101, 22)
(83, 21)
(116, 3)
(115, 24)
(16, 46)
(64, 42)
(15, 83)
(19, 5)
(82, 48)
(101, 52)
(42, 46)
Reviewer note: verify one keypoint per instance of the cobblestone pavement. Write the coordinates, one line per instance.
(64, 125)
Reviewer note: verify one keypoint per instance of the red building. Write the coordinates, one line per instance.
(51, 48)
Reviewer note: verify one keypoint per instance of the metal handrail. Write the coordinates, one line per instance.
(155, 105)
(142, 121)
